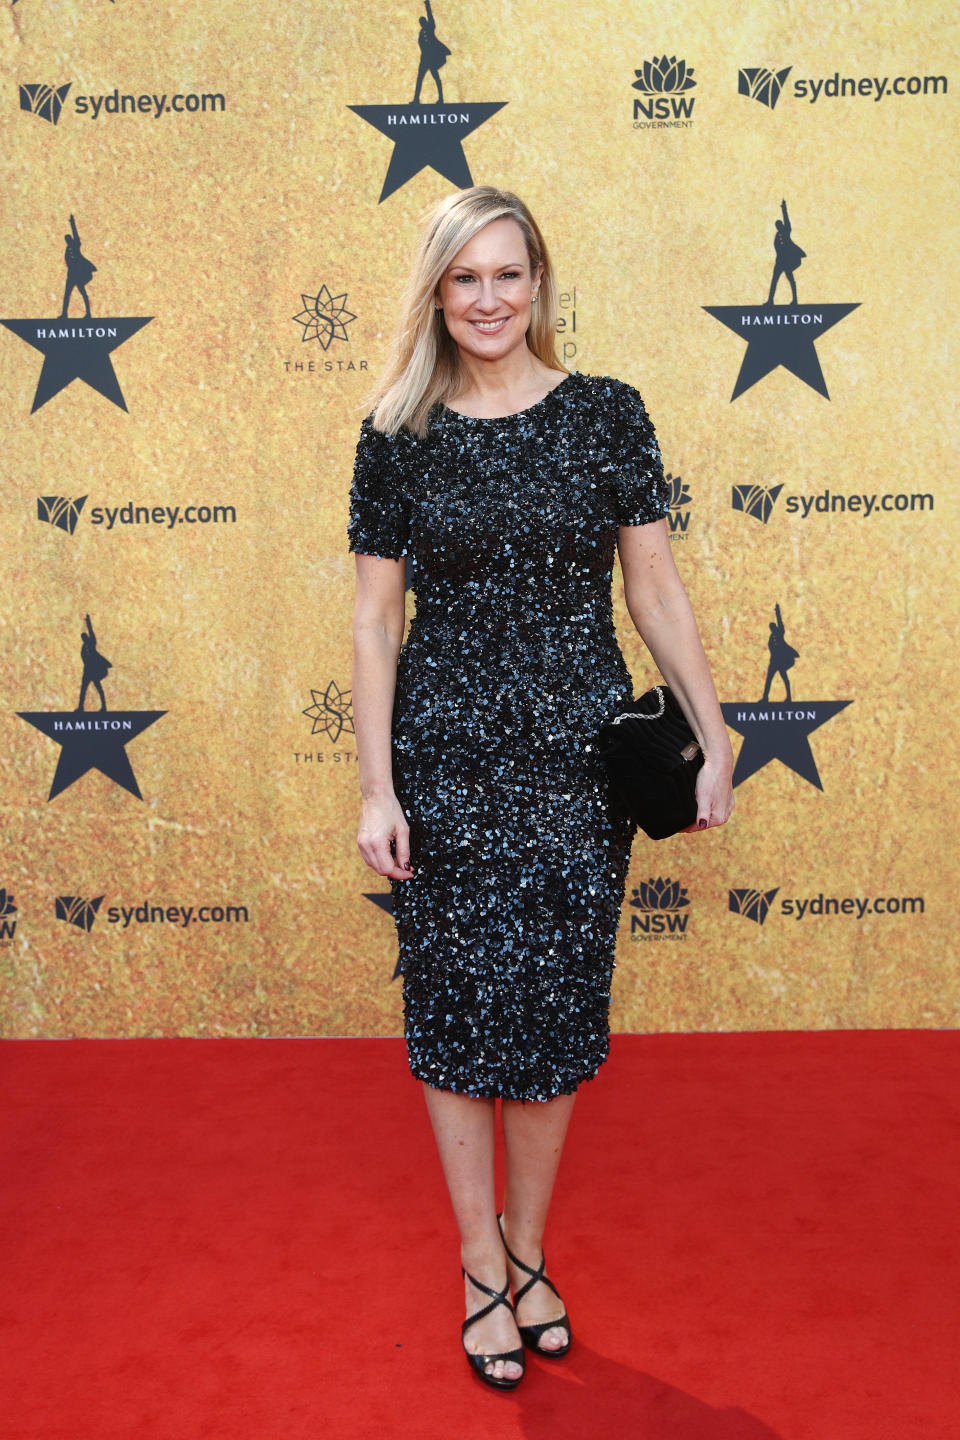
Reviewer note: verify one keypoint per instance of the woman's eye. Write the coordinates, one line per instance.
(510, 275)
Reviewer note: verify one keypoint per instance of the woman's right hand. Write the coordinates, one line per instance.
(382, 821)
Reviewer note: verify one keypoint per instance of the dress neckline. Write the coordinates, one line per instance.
(513, 414)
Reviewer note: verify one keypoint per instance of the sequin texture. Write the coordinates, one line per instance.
(511, 664)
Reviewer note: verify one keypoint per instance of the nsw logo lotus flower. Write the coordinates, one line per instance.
(59, 511)
(8, 905)
(44, 100)
(755, 500)
(660, 894)
(664, 75)
(679, 494)
(762, 84)
(77, 911)
(753, 904)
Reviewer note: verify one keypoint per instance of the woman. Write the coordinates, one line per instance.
(507, 482)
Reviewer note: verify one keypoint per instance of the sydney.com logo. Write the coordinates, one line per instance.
(766, 85)
(48, 102)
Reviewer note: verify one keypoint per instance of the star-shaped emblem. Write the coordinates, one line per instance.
(324, 317)
(330, 712)
(780, 335)
(427, 137)
(92, 740)
(77, 350)
(778, 731)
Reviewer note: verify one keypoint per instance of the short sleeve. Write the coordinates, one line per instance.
(641, 492)
(379, 509)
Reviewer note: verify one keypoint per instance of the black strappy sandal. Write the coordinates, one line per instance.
(531, 1335)
(478, 1363)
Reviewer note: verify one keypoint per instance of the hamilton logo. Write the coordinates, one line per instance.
(427, 136)
(778, 730)
(92, 740)
(762, 84)
(324, 317)
(330, 712)
(781, 334)
(44, 100)
(77, 911)
(752, 904)
(75, 349)
(755, 500)
(59, 511)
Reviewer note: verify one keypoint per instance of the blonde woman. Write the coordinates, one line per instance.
(507, 484)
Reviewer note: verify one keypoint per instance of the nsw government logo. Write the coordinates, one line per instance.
(75, 349)
(8, 916)
(778, 730)
(663, 103)
(323, 319)
(678, 518)
(92, 740)
(781, 334)
(427, 136)
(662, 910)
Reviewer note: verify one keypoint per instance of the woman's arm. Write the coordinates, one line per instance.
(661, 611)
(378, 621)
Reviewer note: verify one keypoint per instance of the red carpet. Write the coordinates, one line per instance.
(756, 1236)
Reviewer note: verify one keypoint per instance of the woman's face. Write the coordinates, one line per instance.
(487, 290)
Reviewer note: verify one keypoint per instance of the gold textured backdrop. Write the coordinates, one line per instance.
(217, 224)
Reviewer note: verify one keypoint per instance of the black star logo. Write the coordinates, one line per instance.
(426, 137)
(778, 731)
(384, 903)
(77, 350)
(780, 335)
(92, 740)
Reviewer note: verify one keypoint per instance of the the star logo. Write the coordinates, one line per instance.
(755, 500)
(778, 730)
(330, 713)
(752, 904)
(95, 739)
(44, 100)
(59, 511)
(781, 334)
(77, 348)
(77, 911)
(427, 136)
(324, 317)
(762, 84)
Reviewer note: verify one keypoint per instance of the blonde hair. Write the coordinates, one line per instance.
(424, 367)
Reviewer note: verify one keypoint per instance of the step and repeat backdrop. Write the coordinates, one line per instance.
(208, 214)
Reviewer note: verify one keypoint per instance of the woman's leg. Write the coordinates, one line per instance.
(534, 1132)
(463, 1128)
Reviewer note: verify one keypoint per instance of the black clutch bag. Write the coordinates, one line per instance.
(652, 757)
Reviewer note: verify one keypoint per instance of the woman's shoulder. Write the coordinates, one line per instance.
(604, 395)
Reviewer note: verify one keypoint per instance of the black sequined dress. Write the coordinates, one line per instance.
(511, 664)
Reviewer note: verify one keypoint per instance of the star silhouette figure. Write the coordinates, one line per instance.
(778, 731)
(69, 357)
(780, 335)
(324, 317)
(330, 712)
(427, 137)
(92, 748)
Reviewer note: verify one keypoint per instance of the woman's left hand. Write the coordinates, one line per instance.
(714, 797)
